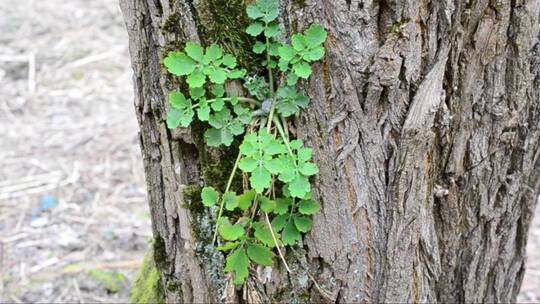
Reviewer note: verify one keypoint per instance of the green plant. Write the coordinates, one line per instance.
(277, 206)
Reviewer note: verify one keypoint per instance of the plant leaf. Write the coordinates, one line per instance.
(179, 64)
(292, 79)
(197, 93)
(245, 200)
(290, 101)
(195, 51)
(178, 100)
(267, 205)
(218, 75)
(253, 12)
(248, 164)
(203, 111)
(308, 207)
(282, 205)
(209, 196)
(278, 223)
(290, 234)
(230, 200)
(299, 186)
(230, 232)
(229, 61)
(176, 117)
(213, 53)
(228, 246)
(272, 30)
(218, 104)
(314, 54)
(255, 29)
(315, 35)
(263, 234)
(299, 42)
(238, 263)
(196, 79)
(235, 74)
(286, 52)
(259, 47)
(269, 9)
(309, 169)
(302, 223)
(218, 90)
(302, 69)
(260, 254)
(260, 179)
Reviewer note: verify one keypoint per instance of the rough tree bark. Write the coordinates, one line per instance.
(425, 125)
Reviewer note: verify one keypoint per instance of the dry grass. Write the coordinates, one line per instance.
(68, 130)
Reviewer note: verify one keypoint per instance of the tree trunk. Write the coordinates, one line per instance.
(424, 121)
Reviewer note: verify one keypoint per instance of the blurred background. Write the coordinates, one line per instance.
(74, 223)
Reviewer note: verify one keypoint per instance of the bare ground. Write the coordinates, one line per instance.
(74, 224)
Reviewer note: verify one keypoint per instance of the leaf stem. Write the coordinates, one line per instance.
(243, 99)
(276, 242)
(282, 133)
(229, 182)
(271, 83)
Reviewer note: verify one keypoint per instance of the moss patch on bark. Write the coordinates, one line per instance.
(147, 286)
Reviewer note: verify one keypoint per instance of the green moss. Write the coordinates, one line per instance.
(172, 24)
(224, 22)
(298, 4)
(147, 286)
(192, 199)
(160, 254)
(113, 281)
(217, 170)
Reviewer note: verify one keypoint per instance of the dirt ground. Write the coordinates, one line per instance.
(74, 224)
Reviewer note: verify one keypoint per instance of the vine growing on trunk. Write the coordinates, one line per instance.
(277, 206)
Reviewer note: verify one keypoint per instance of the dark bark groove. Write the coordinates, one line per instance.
(424, 122)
